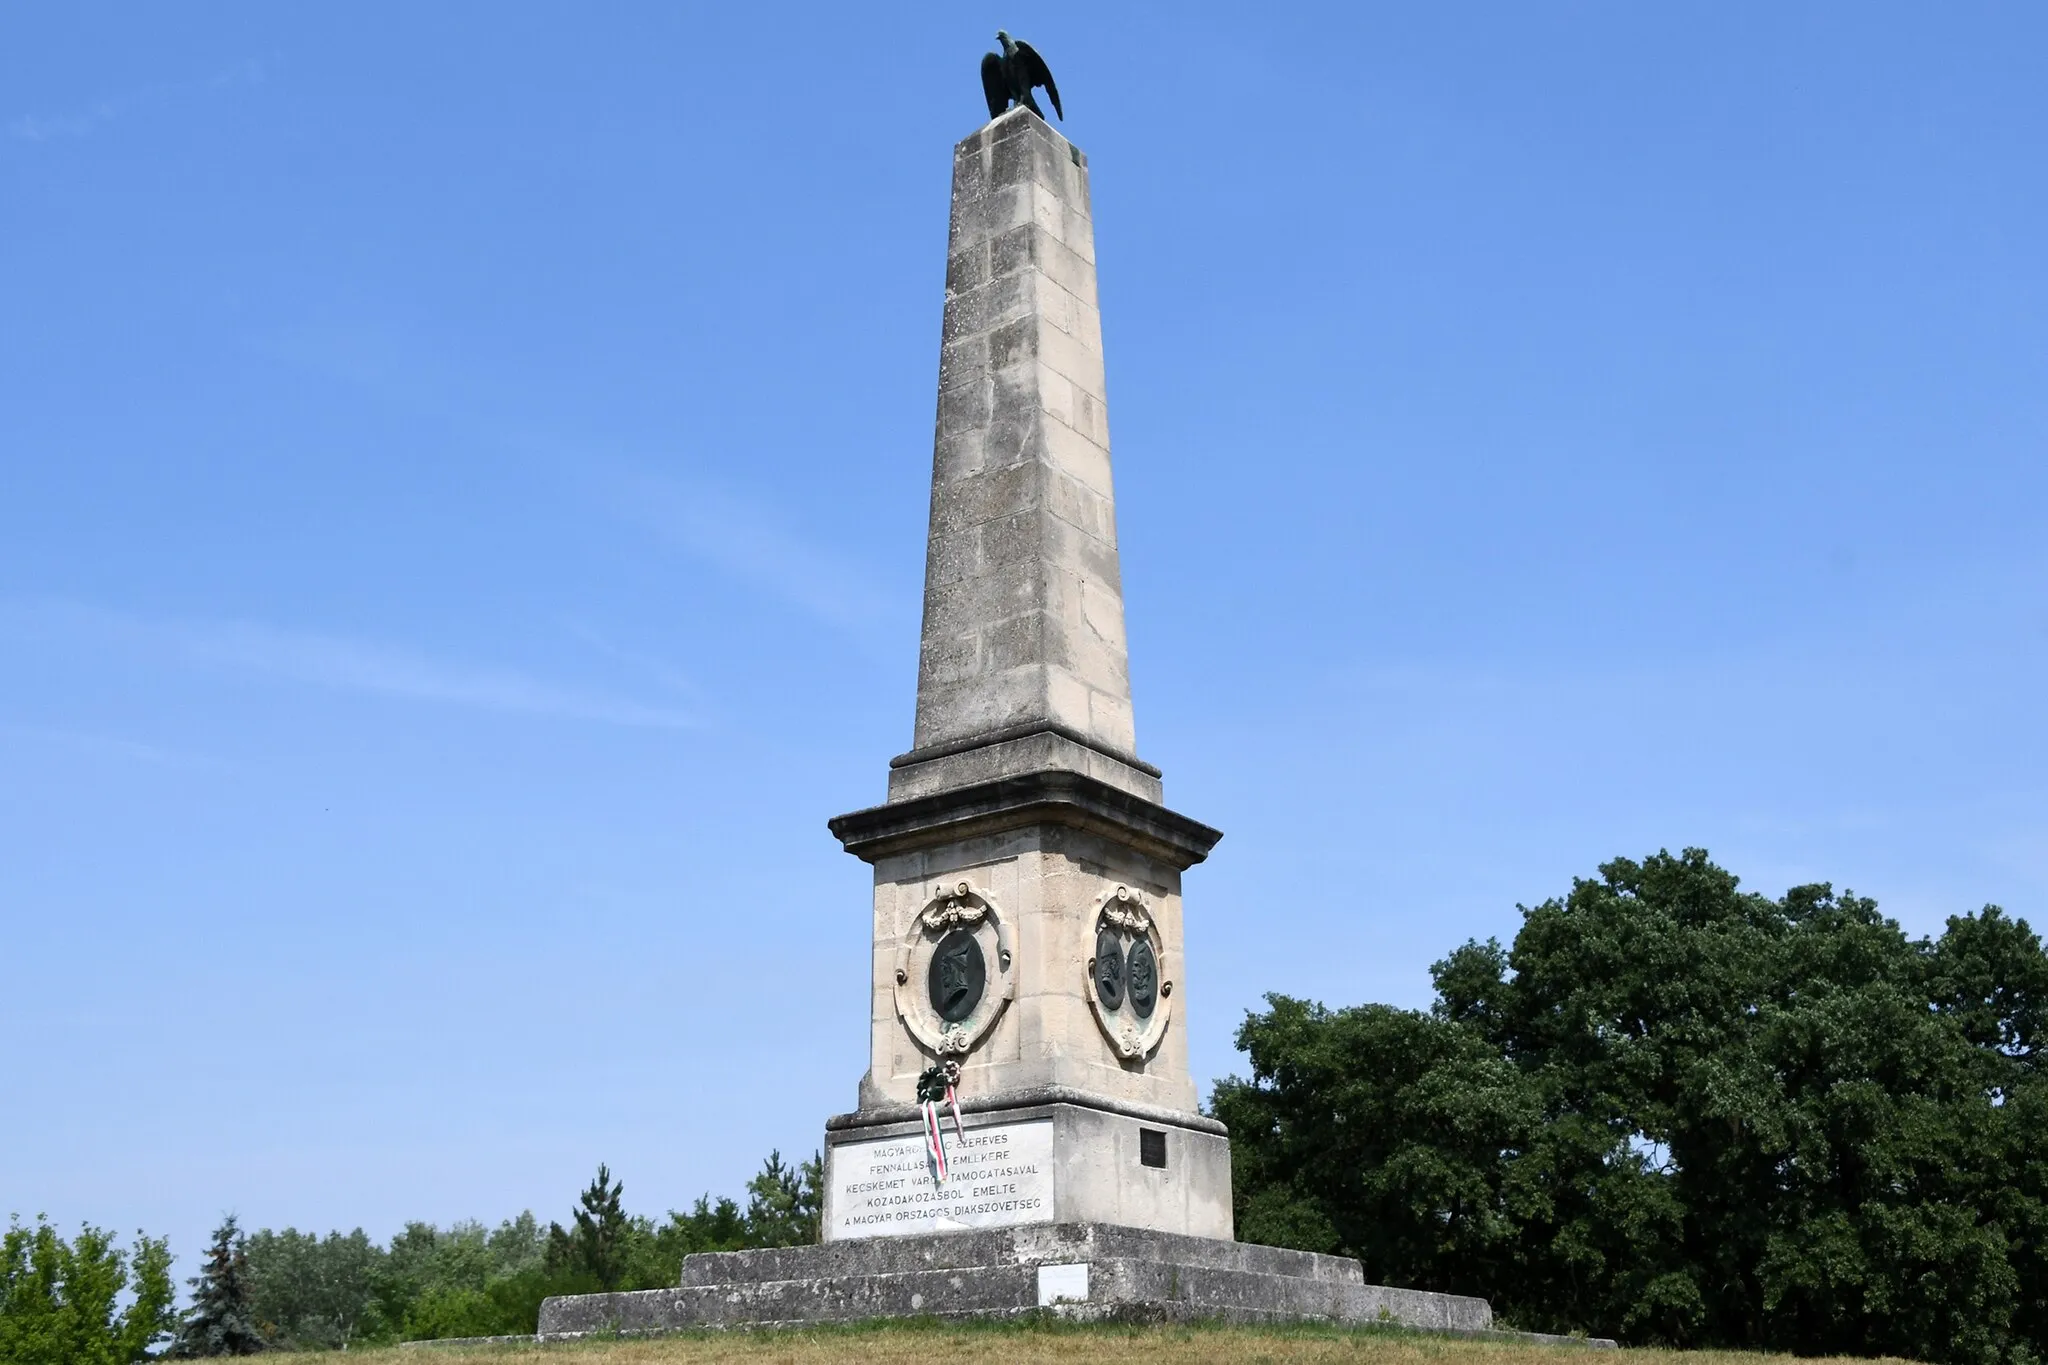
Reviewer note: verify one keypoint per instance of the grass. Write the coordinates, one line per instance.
(1041, 1343)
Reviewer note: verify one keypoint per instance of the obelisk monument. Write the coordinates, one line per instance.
(1027, 914)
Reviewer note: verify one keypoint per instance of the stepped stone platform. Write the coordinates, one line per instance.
(1085, 1271)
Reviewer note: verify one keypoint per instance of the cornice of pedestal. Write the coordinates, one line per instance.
(1031, 1100)
(1052, 796)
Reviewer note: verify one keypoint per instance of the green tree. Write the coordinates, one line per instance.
(1676, 1111)
(59, 1300)
(467, 1280)
(600, 1246)
(308, 1292)
(219, 1322)
(785, 1204)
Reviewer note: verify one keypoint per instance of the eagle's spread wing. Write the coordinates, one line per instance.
(1035, 72)
(994, 86)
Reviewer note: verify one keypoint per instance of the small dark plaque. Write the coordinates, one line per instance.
(958, 974)
(1144, 987)
(1151, 1147)
(1109, 969)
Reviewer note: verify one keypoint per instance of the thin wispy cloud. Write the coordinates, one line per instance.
(343, 663)
(746, 534)
(106, 746)
(659, 669)
(82, 122)
(745, 539)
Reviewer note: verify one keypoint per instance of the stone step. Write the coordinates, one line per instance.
(1037, 1244)
(1247, 1294)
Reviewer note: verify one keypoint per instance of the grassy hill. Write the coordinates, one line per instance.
(1039, 1343)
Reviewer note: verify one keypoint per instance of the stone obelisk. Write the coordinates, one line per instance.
(1027, 940)
(1027, 930)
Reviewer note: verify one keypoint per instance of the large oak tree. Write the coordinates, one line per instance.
(1675, 1111)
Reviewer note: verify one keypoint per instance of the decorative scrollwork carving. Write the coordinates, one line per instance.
(1126, 910)
(960, 906)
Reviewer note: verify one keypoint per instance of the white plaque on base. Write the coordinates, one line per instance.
(1000, 1175)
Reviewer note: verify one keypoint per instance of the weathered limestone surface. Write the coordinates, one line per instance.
(1023, 608)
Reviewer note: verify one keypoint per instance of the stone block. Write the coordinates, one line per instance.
(962, 361)
(1063, 354)
(1005, 207)
(1041, 206)
(1080, 457)
(1066, 701)
(965, 407)
(1031, 247)
(1014, 342)
(1016, 542)
(952, 659)
(1110, 714)
(1026, 159)
(1018, 642)
(1074, 502)
(1077, 553)
(967, 269)
(949, 559)
(990, 495)
(970, 170)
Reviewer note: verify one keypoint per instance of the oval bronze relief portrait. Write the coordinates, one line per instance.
(1144, 979)
(958, 974)
(1109, 969)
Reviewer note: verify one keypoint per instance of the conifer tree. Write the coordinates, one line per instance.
(785, 1203)
(600, 1244)
(219, 1322)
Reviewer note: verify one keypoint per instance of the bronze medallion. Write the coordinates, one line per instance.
(958, 975)
(1109, 969)
(1144, 983)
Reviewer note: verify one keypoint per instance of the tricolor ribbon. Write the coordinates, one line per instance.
(930, 1095)
(935, 1140)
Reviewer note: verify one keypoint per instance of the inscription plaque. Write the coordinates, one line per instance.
(1002, 1175)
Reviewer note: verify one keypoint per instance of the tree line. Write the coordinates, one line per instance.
(1675, 1112)
(1672, 1112)
(62, 1301)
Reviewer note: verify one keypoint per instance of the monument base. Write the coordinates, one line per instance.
(1045, 1155)
(1088, 1271)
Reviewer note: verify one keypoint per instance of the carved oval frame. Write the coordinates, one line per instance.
(960, 905)
(1124, 912)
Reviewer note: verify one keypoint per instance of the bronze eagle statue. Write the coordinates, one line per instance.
(1008, 78)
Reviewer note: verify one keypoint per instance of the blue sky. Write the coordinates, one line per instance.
(462, 494)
